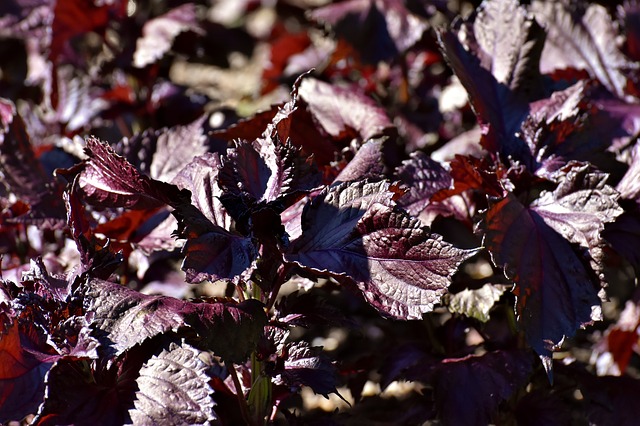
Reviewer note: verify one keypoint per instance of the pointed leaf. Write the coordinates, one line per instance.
(107, 179)
(174, 389)
(480, 383)
(579, 207)
(495, 55)
(308, 366)
(556, 293)
(401, 267)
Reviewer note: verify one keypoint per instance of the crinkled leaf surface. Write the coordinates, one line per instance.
(267, 170)
(582, 37)
(127, 317)
(158, 33)
(424, 177)
(107, 179)
(579, 207)
(353, 229)
(173, 388)
(556, 293)
(366, 164)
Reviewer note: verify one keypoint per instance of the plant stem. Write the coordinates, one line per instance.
(244, 407)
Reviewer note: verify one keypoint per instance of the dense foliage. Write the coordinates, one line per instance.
(213, 211)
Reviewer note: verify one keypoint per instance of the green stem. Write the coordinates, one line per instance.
(260, 395)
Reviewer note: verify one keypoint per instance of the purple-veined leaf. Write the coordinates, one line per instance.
(424, 177)
(379, 29)
(267, 170)
(495, 55)
(173, 388)
(582, 37)
(128, 317)
(556, 293)
(401, 268)
(158, 34)
(339, 110)
(109, 180)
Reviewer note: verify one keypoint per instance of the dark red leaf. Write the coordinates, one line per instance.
(401, 268)
(72, 18)
(21, 377)
(556, 293)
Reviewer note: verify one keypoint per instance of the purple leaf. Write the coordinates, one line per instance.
(107, 179)
(366, 164)
(556, 293)
(128, 318)
(578, 123)
(307, 366)
(80, 390)
(629, 185)
(424, 177)
(378, 29)
(161, 154)
(339, 110)
(158, 34)
(624, 237)
(495, 55)
(174, 389)
(212, 250)
(401, 268)
(582, 37)
(479, 384)
(579, 207)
